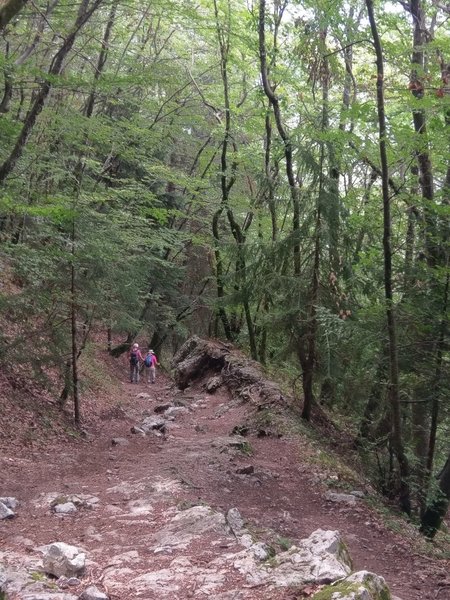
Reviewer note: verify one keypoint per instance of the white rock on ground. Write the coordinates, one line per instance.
(362, 585)
(10, 502)
(5, 512)
(63, 560)
(188, 524)
(321, 557)
(93, 593)
(65, 508)
(349, 499)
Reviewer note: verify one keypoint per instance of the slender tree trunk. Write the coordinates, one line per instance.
(397, 437)
(287, 144)
(270, 178)
(227, 181)
(309, 362)
(438, 507)
(417, 85)
(101, 60)
(437, 377)
(219, 276)
(84, 13)
(73, 321)
(375, 400)
(109, 339)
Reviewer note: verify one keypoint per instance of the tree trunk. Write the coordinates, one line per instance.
(73, 321)
(9, 9)
(219, 277)
(397, 438)
(101, 60)
(287, 144)
(420, 39)
(437, 509)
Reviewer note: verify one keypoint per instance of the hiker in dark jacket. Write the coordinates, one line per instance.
(135, 357)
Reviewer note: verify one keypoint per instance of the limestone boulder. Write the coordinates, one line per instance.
(322, 557)
(361, 585)
(63, 560)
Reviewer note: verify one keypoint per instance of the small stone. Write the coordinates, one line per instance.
(93, 593)
(10, 502)
(246, 470)
(151, 423)
(65, 508)
(358, 494)
(214, 384)
(5, 512)
(136, 429)
(261, 551)
(161, 408)
(235, 521)
(119, 441)
(341, 498)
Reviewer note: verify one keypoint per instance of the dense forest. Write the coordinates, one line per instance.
(272, 173)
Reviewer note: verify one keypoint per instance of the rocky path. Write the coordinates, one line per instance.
(153, 512)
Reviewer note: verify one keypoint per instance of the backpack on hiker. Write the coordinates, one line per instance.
(149, 360)
(134, 359)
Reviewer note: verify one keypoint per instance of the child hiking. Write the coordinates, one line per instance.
(150, 365)
(135, 357)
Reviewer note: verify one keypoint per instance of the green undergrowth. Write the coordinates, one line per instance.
(345, 589)
(95, 375)
(343, 474)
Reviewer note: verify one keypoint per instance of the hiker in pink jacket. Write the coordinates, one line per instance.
(150, 365)
(136, 358)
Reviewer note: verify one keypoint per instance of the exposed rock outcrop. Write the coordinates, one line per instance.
(243, 377)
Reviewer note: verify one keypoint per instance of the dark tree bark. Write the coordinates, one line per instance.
(9, 9)
(438, 507)
(227, 181)
(74, 332)
(397, 437)
(220, 277)
(288, 151)
(101, 60)
(417, 86)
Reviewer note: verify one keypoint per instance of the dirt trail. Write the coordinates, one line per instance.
(140, 484)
